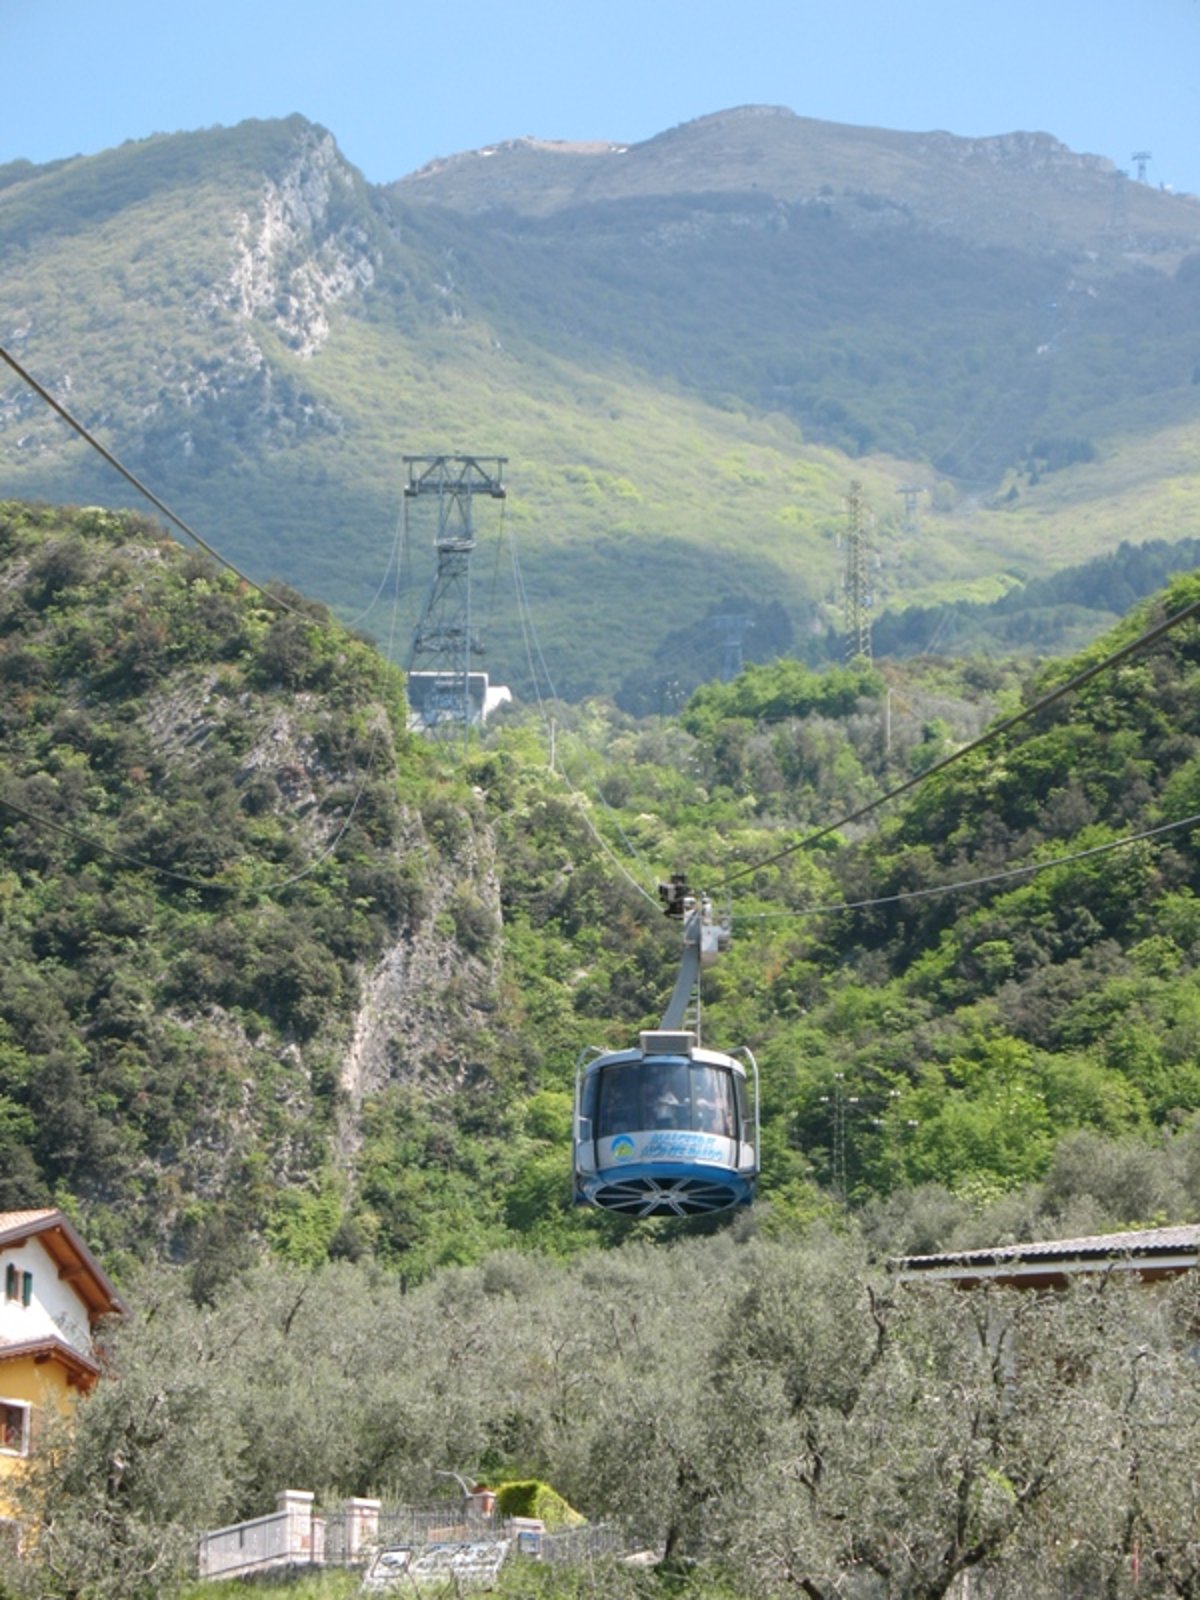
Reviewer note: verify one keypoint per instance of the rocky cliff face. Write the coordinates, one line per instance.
(226, 245)
(426, 1000)
(292, 257)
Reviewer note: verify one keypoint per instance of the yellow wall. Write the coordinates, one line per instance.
(44, 1385)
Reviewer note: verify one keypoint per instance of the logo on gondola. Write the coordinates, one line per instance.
(683, 1147)
(623, 1148)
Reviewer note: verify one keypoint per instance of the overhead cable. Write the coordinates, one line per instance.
(989, 737)
(971, 883)
(532, 643)
(130, 477)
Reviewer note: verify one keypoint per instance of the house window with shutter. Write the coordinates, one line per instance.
(27, 1288)
(14, 1428)
(12, 1282)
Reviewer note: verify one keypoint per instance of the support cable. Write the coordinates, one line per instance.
(1151, 636)
(531, 644)
(523, 600)
(395, 557)
(971, 883)
(161, 505)
(91, 843)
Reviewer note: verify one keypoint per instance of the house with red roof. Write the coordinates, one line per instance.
(53, 1294)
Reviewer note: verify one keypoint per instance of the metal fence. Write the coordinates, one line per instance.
(347, 1541)
(296, 1534)
(588, 1543)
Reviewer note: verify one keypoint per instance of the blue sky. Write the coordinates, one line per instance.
(398, 83)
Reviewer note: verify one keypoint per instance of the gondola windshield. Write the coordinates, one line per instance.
(670, 1094)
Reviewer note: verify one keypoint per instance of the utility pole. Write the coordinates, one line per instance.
(439, 661)
(856, 584)
(1141, 157)
(838, 1103)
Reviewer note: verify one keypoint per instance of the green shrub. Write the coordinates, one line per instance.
(529, 1497)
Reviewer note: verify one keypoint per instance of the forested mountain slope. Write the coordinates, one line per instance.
(957, 1037)
(277, 975)
(231, 885)
(687, 350)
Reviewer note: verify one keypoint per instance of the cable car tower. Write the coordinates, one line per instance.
(439, 661)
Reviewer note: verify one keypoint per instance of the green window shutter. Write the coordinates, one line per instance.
(26, 1288)
(12, 1283)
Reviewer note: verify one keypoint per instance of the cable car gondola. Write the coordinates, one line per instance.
(670, 1128)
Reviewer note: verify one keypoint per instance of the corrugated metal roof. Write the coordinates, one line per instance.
(1136, 1242)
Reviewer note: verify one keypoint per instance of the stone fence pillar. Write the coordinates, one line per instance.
(362, 1525)
(297, 1506)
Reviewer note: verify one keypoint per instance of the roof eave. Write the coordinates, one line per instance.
(955, 1269)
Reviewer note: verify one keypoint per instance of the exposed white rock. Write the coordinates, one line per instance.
(288, 265)
(425, 987)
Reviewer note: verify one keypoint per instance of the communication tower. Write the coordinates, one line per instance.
(856, 584)
(442, 693)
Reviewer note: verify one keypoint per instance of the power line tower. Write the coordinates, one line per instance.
(911, 492)
(1141, 157)
(856, 583)
(731, 631)
(439, 661)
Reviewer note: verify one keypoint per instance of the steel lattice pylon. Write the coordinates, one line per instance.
(857, 591)
(444, 641)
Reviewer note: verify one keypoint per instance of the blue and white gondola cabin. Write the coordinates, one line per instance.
(668, 1129)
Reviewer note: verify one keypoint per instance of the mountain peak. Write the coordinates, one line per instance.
(1026, 189)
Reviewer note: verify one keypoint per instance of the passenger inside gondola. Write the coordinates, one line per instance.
(712, 1098)
(672, 1096)
(671, 1102)
(620, 1102)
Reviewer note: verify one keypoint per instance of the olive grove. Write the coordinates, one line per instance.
(770, 1418)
